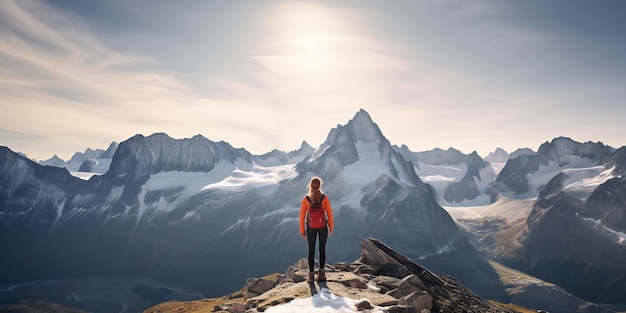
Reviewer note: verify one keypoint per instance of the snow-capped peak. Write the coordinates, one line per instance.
(358, 153)
(364, 129)
(142, 156)
(562, 149)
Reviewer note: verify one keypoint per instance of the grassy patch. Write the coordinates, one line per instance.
(513, 307)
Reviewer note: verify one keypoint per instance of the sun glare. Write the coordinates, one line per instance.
(307, 37)
(311, 51)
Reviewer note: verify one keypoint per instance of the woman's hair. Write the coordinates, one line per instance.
(315, 189)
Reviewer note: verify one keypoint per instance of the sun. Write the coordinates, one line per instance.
(305, 37)
(312, 51)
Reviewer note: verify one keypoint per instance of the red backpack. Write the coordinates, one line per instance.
(317, 216)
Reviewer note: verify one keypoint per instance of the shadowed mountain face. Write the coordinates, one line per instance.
(608, 204)
(189, 212)
(566, 242)
(574, 235)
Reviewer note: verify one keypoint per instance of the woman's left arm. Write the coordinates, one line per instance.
(329, 214)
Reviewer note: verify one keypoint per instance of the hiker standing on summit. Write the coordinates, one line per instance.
(319, 222)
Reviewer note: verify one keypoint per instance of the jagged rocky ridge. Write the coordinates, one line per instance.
(381, 278)
(474, 182)
(561, 151)
(91, 161)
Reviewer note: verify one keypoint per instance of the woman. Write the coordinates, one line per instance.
(316, 210)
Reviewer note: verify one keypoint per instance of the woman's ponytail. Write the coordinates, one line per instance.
(315, 190)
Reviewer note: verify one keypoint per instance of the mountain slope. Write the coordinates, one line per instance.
(573, 235)
(560, 246)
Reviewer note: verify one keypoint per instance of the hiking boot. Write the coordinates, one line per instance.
(311, 278)
(321, 276)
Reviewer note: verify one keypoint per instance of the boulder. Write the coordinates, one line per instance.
(257, 286)
(419, 300)
(374, 252)
(415, 281)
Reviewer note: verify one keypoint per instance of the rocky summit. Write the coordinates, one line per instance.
(381, 280)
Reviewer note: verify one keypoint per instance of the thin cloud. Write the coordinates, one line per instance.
(62, 81)
(10, 136)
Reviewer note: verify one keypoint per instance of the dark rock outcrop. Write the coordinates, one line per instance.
(467, 188)
(608, 204)
(387, 279)
(88, 166)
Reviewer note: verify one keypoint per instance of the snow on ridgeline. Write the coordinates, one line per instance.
(583, 175)
(225, 175)
(369, 167)
(257, 176)
(618, 236)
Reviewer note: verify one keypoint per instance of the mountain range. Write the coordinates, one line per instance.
(187, 211)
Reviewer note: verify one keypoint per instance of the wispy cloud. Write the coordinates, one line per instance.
(9, 136)
(59, 80)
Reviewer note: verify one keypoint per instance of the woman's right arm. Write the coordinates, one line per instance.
(302, 217)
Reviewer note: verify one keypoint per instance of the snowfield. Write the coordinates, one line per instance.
(441, 176)
(507, 209)
(584, 175)
(322, 302)
(258, 176)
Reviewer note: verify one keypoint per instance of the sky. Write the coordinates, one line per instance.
(264, 75)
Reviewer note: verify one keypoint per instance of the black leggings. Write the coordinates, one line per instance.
(311, 236)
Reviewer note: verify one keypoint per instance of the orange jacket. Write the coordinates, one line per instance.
(304, 208)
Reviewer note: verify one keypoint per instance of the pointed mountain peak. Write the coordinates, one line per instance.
(305, 146)
(498, 156)
(362, 114)
(475, 163)
(361, 145)
(53, 161)
(500, 150)
(110, 151)
(474, 155)
(304, 150)
(364, 128)
(56, 157)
